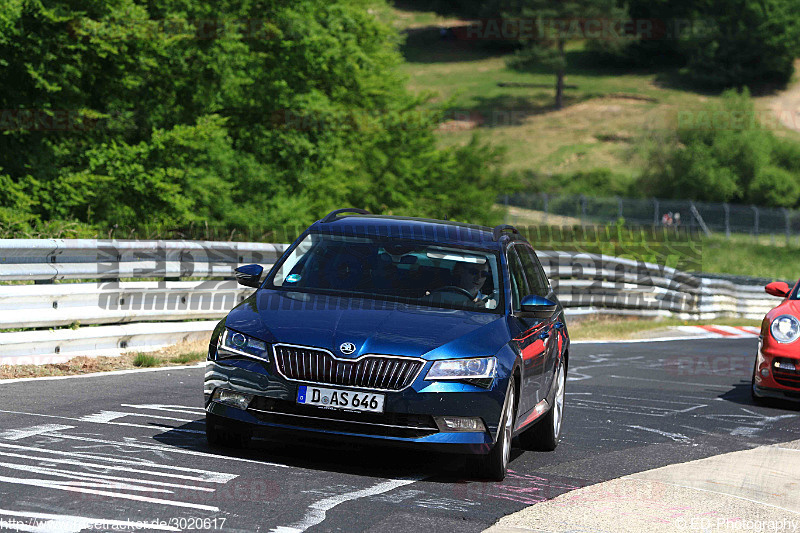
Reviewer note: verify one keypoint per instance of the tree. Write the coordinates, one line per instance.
(723, 154)
(555, 23)
(241, 112)
(720, 44)
(742, 42)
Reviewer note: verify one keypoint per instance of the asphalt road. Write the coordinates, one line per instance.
(113, 452)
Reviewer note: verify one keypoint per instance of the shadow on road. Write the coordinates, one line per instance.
(330, 455)
(740, 394)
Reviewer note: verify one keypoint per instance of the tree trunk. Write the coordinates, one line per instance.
(560, 76)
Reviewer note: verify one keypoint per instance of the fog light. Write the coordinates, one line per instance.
(450, 424)
(765, 372)
(540, 407)
(235, 399)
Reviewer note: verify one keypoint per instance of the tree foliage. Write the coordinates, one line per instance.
(721, 152)
(721, 44)
(235, 112)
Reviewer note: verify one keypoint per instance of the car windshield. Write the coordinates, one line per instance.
(421, 273)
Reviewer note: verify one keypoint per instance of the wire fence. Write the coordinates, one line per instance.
(710, 218)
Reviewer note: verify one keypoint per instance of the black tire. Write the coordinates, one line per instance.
(494, 465)
(222, 433)
(545, 434)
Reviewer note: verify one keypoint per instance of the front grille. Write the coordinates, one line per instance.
(382, 424)
(370, 372)
(787, 378)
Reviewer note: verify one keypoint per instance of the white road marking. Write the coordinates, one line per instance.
(114, 467)
(662, 381)
(202, 475)
(176, 449)
(158, 428)
(656, 400)
(108, 416)
(21, 433)
(71, 523)
(699, 333)
(316, 513)
(637, 407)
(99, 477)
(79, 480)
(57, 485)
(103, 416)
(187, 409)
(677, 437)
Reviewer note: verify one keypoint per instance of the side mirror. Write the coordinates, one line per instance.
(778, 288)
(538, 307)
(249, 275)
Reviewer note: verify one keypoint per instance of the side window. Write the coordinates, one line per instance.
(534, 272)
(519, 287)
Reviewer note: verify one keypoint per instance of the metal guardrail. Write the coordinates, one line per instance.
(181, 292)
(81, 259)
(155, 313)
(591, 283)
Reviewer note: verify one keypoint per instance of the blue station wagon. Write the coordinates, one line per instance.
(407, 331)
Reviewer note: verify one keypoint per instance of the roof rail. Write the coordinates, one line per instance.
(330, 217)
(497, 232)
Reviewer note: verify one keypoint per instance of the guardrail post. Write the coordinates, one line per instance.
(582, 201)
(727, 210)
(698, 217)
(787, 219)
(545, 202)
(656, 217)
(755, 222)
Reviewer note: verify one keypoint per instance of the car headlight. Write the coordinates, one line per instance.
(235, 344)
(478, 371)
(785, 329)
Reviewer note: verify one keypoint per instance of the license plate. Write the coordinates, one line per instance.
(340, 399)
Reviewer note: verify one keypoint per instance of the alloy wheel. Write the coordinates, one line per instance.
(558, 407)
(509, 428)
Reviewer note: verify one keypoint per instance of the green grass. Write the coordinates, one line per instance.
(594, 130)
(622, 328)
(144, 360)
(743, 257)
(186, 358)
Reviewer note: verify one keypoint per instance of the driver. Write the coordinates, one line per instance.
(472, 277)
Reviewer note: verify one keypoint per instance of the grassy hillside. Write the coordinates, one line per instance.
(606, 108)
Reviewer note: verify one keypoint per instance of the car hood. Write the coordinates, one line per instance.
(374, 327)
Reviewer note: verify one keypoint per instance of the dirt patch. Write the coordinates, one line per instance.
(786, 106)
(529, 217)
(185, 353)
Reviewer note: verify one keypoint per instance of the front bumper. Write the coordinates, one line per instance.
(778, 383)
(408, 418)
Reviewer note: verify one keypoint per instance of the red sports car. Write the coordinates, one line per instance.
(776, 373)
